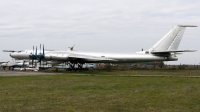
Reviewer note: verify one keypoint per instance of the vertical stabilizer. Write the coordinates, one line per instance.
(171, 40)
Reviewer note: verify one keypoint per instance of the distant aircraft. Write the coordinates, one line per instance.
(164, 50)
(12, 65)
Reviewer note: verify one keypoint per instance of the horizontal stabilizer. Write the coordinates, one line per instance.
(160, 52)
(187, 25)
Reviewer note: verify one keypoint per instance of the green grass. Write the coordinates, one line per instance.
(173, 73)
(99, 91)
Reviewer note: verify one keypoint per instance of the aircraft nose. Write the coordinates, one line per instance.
(12, 55)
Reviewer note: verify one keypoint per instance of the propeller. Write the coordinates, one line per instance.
(41, 55)
(32, 56)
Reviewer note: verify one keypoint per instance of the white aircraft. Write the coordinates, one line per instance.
(12, 65)
(164, 50)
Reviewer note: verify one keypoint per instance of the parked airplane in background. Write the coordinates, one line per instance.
(12, 65)
(164, 50)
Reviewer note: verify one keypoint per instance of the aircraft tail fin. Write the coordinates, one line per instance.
(171, 40)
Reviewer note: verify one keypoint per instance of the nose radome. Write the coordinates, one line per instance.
(12, 55)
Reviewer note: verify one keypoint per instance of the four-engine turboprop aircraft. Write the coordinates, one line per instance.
(164, 50)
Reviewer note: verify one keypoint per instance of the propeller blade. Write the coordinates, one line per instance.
(43, 49)
(40, 48)
(33, 50)
(36, 51)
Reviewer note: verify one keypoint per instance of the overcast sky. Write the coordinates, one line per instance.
(123, 26)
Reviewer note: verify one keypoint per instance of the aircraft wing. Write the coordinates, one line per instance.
(87, 58)
(10, 51)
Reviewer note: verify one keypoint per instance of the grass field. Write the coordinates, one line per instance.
(102, 91)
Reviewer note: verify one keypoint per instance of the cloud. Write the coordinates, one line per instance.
(96, 25)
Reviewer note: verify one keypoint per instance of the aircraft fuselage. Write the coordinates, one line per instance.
(95, 57)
